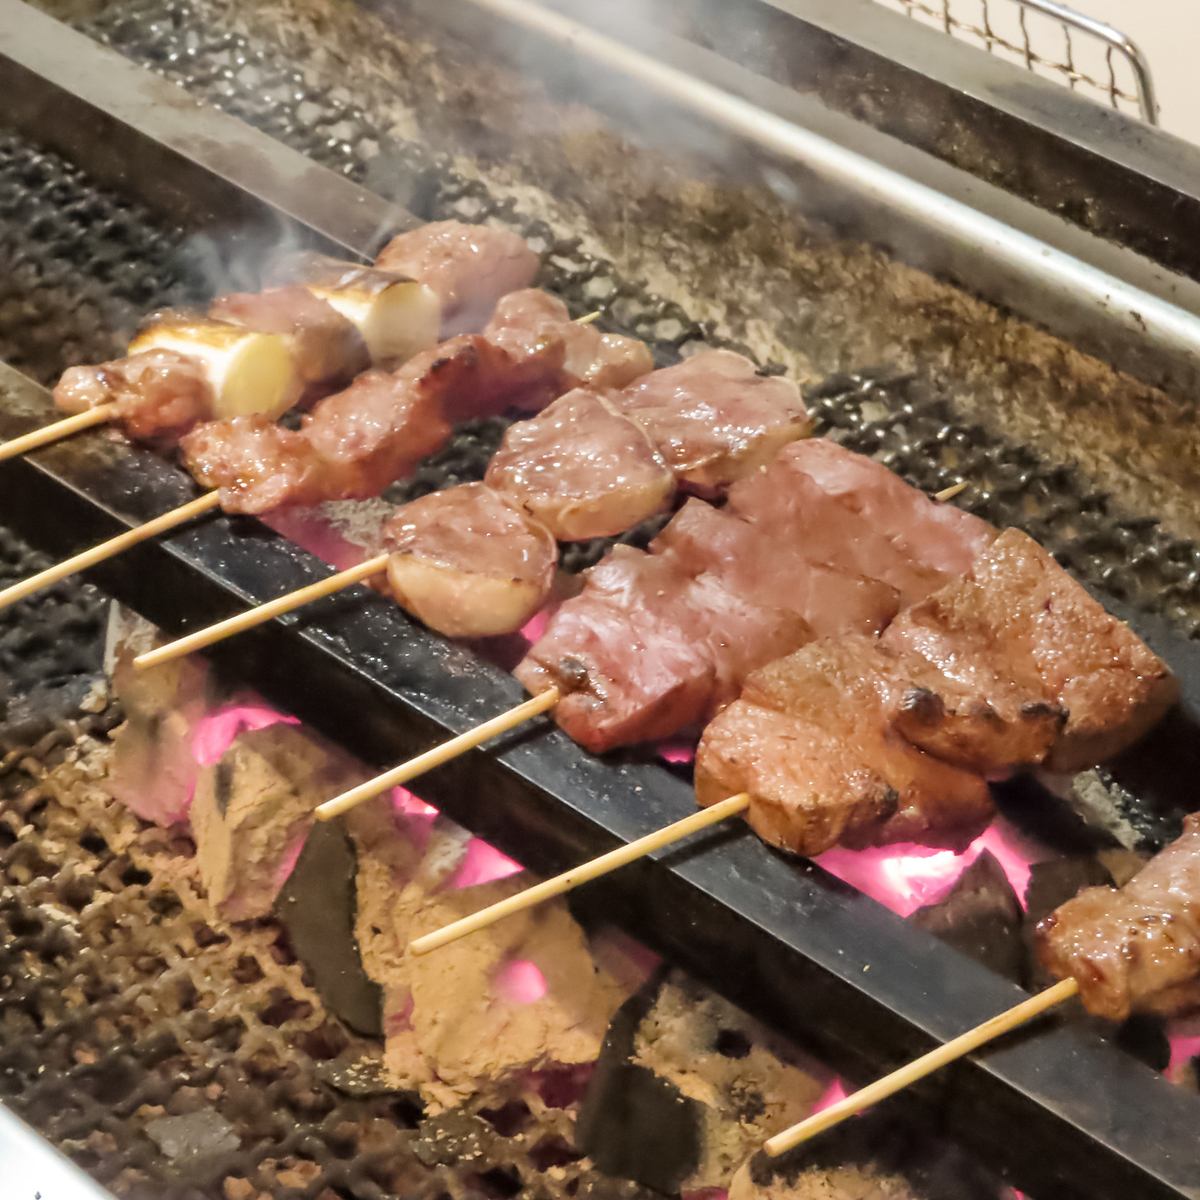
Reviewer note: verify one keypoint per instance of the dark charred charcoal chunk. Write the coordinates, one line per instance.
(981, 916)
(317, 908)
(193, 1137)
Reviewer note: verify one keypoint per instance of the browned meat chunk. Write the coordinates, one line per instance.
(468, 562)
(1020, 665)
(1137, 948)
(469, 267)
(353, 444)
(772, 571)
(939, 535)
(325, 344)
(886, 530)
(714, 418)
(831, 770)
(645, 652)
(526, 319)
(582, 469)
(160, 393)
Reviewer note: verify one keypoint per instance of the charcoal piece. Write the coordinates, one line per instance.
(317, 907)
(633, 1124)
(193, 1137)
(981, 916)
(354, 1075)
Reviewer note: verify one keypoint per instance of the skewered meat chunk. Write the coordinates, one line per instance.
(644, 651)
(582, 469)
(810, 741)
(1136, 948)
(886, 530)
(326, 346)
(469, 562)
(714, 418)
(1018, 664)
(469, 267)
(160, 393)
(593, 359)
(701, 538)
(353, 444)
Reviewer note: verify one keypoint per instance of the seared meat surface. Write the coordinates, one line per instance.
(469, 267)
(1015, 663)
(886, 530)
(1136, 948)
(714, 418)
(775, 572)
(646, 651)
(524, 320)
(582, 469)
(827, 768)
(469, 562)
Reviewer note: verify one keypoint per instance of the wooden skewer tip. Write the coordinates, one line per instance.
(955, 489)
(542, 702)
(106, 550)
(907, 1075)
(57, 430)
(589, 318)
(584, 873)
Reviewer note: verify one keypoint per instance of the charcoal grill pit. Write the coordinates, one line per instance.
(1089, 1114)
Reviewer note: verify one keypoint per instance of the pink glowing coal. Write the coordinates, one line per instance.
(831, 1095)
(907, 877)
(311, 530)
(407, 804)
(216, 731)
(482, 863)
(520, 982)
(1185, 1045)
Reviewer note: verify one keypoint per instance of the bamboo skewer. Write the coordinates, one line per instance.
(881, 1089)
(569, 880)
(98, 554)
(57, 430)
(949, 493)
(439, 755)
(263, 612)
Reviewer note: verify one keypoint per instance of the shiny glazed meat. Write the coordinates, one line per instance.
(469, 267)
(714, 419)
(593, 358)
(1022, 665)
(469, 562)
(1137, 948)
(160, 394)
(582, 469)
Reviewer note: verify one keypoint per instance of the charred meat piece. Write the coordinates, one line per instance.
(469, 562)
(353, 444)
(645, 651)
(526, 319)
(1020, 665)
(701, 538)
(714, 418)
(1136, 948)
(841, 688)
(886, 530)
(582, 469)
(325, 344)
(469, 267)
(160, 393)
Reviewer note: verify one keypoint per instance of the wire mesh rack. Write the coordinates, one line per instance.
(1090, 56)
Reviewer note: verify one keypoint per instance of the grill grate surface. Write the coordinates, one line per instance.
(117, 998)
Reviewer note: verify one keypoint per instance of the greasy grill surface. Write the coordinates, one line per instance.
(107, 967)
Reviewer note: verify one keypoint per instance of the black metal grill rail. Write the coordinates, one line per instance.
(98, 1021)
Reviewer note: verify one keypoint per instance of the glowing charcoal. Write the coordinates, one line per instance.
(520, 982)
(831, 1095)
(1185, 1045)
(535, 626)
(287, 864)
(482, 864)
(404, 802)
(677, 752)
(215, 733)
